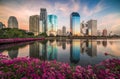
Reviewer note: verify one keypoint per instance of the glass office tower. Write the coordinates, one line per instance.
(43, 20)
(75, 24)
(52, 25)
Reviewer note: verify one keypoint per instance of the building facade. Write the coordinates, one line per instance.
(43, 20)
(12, 22)
(34, 24)
(75, 24)
(52, 25)
(64, 31)
(92, 27)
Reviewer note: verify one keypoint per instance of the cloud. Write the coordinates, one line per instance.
(86, 11)
(22, 9)
(110, 21)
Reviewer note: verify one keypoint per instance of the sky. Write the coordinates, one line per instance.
(106, 12)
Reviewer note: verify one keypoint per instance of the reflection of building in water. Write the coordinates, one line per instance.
(51, 51)
(98, 42)
(59, 43)
(111, 42)
(68, 41)
(104, 43)
(34, 50)
(64, 44)
(44, 51)
(74, 52)
(92, 48)
(13, 53)
(83, 46)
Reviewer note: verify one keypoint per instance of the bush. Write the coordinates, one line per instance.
(31, 68)
(44, 34)
(14, 33)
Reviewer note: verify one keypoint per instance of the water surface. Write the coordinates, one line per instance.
(75, 52)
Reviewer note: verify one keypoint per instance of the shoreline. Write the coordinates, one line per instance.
(82, 37)
(18, 40)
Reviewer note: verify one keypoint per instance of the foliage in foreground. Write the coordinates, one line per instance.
(31, 68)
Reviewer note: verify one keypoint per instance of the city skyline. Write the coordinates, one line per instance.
(106, 12)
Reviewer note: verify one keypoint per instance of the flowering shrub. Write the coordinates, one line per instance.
(16, 40)
(31, 68)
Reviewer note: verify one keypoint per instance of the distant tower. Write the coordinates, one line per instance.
(84, 29)
(43, 20)
(52, 25)
(104, 32)
(92, 27)
(34, 24)
(75, 24)
(98, 33)
(64, 31)
(59, 32)
(12, 22)
(2, 25)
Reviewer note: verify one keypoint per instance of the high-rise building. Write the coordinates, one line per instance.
(12, 22)
(64, 31)
(104, 32)
(43, 20)
(2, 25)
(92, 27)
(98, 33)
(75, 24)
(59, 32)
(52, 25)
(84, 29)
(34, 24)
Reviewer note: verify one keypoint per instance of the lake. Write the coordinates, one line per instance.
(73, 51)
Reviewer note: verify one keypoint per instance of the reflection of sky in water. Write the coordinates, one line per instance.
(79, 52)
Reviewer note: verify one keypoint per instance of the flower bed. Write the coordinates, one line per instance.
(31, 68)
(16, 40)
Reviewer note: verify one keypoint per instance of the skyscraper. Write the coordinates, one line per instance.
(84, 29)
(92, 27)
(104, 32)
(75, 24)
(43, 20)
(34, 24)
(59, 32)
(12, 22)
(52, 25)
(64, 31)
